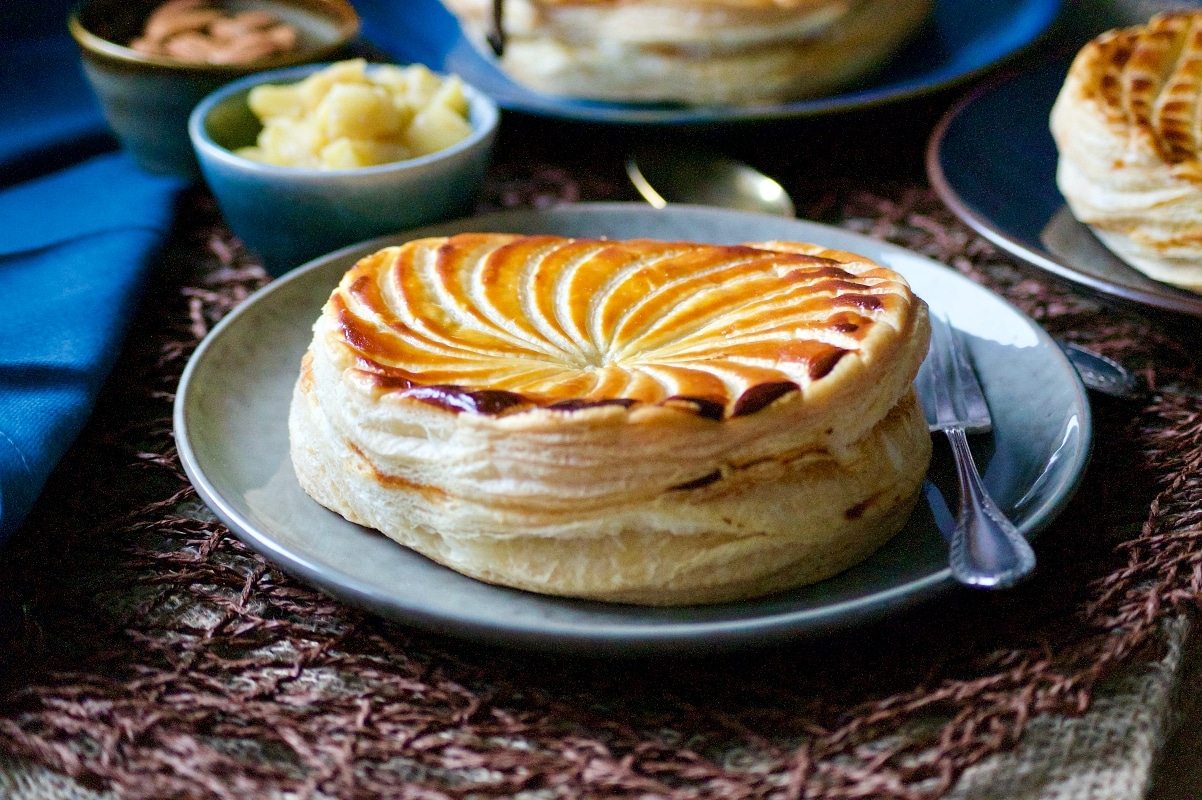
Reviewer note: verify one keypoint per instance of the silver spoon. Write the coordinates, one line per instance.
(702, 177)
(1100, 373)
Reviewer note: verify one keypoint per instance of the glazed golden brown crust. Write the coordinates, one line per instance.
(1148, 79)
(544, 320)
(1126, 125)
(639, 421)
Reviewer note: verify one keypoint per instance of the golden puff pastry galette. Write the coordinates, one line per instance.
(1126, 124)
(704, 52)
(632, 421)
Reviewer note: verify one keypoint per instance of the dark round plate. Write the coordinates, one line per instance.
(992, 159)
(963, 38)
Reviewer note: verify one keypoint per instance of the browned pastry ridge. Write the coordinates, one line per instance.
(1128, 127)
(703, 52)
(636, 421)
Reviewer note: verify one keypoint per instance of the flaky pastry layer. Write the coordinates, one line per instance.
(1125, 124)
(725, 52)
(651, 422)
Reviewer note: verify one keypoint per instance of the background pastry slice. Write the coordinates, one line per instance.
(731, 52)
(1127, 125)
(641, 421)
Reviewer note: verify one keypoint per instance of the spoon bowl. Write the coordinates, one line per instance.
(701, 177)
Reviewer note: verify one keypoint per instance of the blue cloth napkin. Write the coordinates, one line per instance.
(77, 239)
(78, 234)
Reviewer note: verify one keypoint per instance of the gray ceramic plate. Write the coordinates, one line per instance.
(230, 423)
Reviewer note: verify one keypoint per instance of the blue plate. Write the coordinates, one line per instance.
(992, 160)
(963, 38)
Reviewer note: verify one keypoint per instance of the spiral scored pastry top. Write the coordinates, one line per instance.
(496, 324)
(1126, 123)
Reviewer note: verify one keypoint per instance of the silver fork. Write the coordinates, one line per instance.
(986, 550)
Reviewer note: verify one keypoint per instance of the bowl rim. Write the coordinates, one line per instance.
(207, 148)
(341, 11)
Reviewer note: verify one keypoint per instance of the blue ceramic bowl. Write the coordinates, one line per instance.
(289, 215)
(146, 99)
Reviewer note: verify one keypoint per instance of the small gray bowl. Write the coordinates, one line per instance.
(146, 99)
(290, 215)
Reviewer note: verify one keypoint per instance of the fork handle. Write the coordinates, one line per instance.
(986, 549)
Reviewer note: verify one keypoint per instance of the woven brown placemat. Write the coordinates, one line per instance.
(145, 651)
